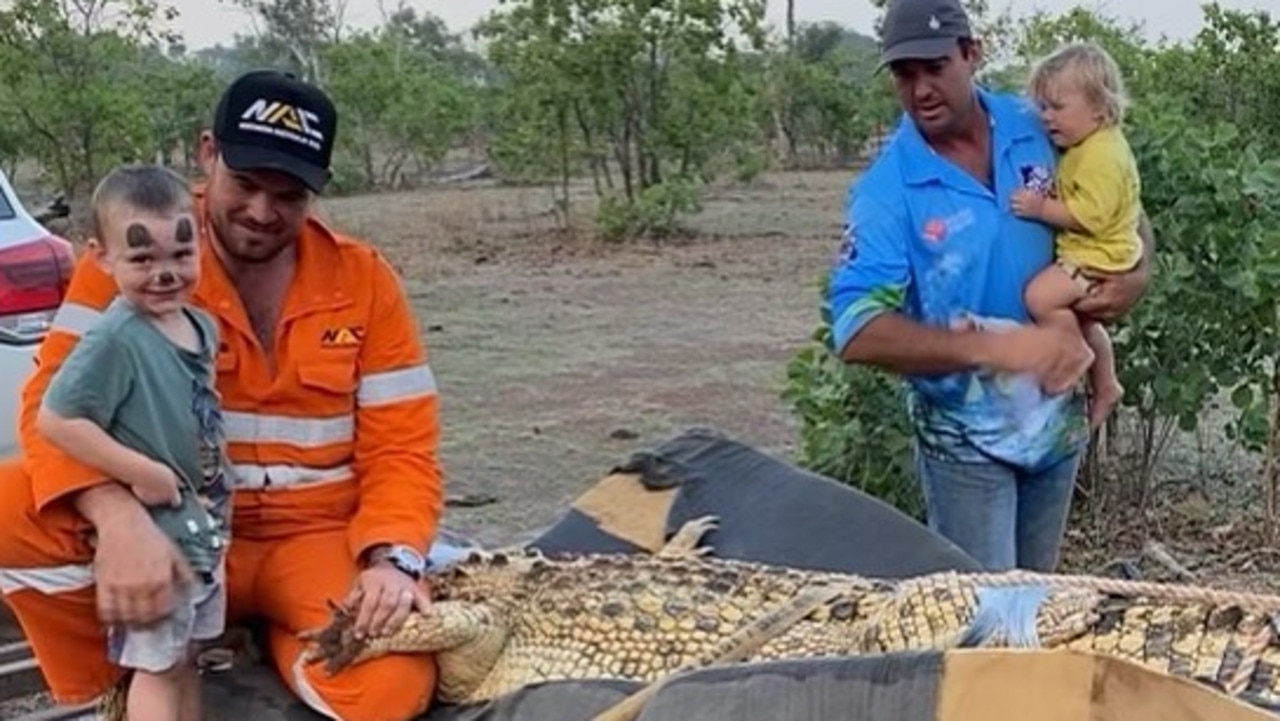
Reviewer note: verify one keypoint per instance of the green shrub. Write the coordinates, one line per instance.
(854, 426)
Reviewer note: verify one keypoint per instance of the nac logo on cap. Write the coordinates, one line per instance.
(282, 119)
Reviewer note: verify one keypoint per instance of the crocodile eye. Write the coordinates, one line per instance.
(842, 611)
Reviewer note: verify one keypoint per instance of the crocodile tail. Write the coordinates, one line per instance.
(1005, 615)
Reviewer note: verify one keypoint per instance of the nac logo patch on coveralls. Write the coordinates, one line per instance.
(347, 337)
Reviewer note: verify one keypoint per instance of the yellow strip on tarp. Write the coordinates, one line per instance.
(1067, 685)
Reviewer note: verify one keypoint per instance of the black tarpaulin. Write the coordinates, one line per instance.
(770, 511)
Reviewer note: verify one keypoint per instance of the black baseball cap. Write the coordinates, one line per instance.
(921, 29)
(270, 119)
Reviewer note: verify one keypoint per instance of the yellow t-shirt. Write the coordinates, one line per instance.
(1098, 182)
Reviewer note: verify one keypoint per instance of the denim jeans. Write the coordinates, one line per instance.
(1000, 515)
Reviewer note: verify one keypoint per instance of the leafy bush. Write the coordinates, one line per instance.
(655, 212)
(854, 426)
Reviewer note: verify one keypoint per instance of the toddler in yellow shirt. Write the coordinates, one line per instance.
(1081, 95)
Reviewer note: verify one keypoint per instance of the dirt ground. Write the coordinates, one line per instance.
(557, 356)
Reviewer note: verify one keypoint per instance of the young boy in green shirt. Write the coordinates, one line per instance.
(136, 399)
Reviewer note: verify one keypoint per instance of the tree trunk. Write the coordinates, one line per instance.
(653, 175)
(786, 94)
(791, 24)
(1269, 474)
(565, 166)
(623, 147)
(588, 139)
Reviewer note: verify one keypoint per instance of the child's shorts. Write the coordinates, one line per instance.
(199, 615)
(1076, 273)
(1076, 270)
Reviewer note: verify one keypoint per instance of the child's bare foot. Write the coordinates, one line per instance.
(1106, 396)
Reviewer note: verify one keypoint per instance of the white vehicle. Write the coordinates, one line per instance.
(35, 268)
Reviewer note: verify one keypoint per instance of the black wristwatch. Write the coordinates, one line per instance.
(403, 558)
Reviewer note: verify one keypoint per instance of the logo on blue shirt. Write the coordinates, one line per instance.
(848, 249)
(1037, 178)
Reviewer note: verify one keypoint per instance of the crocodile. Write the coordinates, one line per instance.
(502, 620)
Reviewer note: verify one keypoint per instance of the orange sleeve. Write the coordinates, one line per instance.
(53, 473)
(397, 426)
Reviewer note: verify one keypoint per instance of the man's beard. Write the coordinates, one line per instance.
(245, 254)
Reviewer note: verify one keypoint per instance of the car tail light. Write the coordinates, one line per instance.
(33, 282)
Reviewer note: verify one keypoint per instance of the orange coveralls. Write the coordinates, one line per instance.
(335, 452)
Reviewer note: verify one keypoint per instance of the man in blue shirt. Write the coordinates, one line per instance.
(930, 286)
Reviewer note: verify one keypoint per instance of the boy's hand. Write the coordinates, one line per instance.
(1027, 203)
(158, 486)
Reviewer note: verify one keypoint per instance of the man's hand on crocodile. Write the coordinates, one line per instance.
(382, 598)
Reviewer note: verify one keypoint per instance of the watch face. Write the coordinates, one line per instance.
(407, 560)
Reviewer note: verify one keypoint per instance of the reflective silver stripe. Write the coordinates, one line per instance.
(254, 477)
(393, 386)
(54, 579)
(75, 319)
(301, 432)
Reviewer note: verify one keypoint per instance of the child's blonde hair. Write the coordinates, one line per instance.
(1086, 66)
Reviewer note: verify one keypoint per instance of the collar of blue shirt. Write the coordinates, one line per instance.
(1013, 119)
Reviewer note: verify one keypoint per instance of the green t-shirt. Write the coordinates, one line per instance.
(157, 398)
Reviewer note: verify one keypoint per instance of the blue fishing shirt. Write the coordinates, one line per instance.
(925, 238)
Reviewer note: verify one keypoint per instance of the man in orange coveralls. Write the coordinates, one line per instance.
(330, 411)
